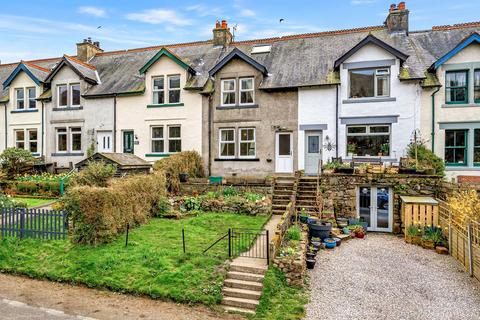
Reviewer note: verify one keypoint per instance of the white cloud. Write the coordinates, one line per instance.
(247, 13)
(202, 10)
(359, 2)
(93, 11)
(159, 16)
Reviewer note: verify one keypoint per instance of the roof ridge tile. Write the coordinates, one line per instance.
(80, 62)
(457, 26)
(36, 67)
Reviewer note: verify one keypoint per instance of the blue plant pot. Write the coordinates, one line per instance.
(330, 243)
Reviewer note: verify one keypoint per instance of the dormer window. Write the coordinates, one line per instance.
(32, 104)
(456, 87)
(75, 94)
(68, 95)
(62, 96)
(228, 92)
(369, 83)
(246, 91)
(166, 92)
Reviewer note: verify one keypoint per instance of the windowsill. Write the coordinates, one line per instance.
(237, 159)
(179, 104)
(67, 108)
(453, 166)
(67, 154)
(460, 105)
(369, 100)
(238, 106)
(35, 154)
(157, 155)
(24, 110)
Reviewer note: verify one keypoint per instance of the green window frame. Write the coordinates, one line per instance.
(476, 85)
(456, 147)
(476, 147)
(454, 86)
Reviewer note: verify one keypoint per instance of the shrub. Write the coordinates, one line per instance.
(189, 162)
(14, 160)
(466, 205)
(28, 187)
(229, 191)
(7, 202)
(294, 233)
(162, 207)
(100, 214)
(96, 174)
(426, 158)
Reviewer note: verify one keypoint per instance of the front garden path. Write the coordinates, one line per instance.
(382, 277)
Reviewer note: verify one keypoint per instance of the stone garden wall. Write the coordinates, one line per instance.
(294, 266)
(339, 191)
(201, 186)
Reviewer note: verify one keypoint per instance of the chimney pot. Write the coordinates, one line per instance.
(224, 24)
(397, 19)
(97, 44)
(393, 7)
(217, 25)
(401, 6)
(221, 34)
(87, 49)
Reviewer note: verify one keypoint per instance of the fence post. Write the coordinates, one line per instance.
(268, 248)
(470, 260)
(183, 239)
(62, 187)
(22, 222)
(229, 242)
(450, 231)
(126, 238)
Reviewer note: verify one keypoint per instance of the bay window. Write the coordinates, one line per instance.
(368, 140)
(456, 87)
(456, 147)
(227, 143)
(174, 139)
(247, 142)
(20, 99)
(246, 91)
(157, 139)
(369, 83)
(228, 92)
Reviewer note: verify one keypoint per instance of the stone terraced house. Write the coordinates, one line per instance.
(256, 107)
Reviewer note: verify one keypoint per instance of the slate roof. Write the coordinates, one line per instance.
(294, 61)
(123, 160)
(82, 69)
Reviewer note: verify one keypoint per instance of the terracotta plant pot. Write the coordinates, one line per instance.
(408, 239)
(428, 244)
(360, 235)
(417, 240)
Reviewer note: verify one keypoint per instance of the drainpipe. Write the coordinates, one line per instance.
(43, 130)
(210, 108)
(6, 127)
(433, 118)
(115, 122)
(336, 119)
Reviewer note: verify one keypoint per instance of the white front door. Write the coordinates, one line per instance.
(104, 141)
(313, 152)
(374, 205)
(284, 152)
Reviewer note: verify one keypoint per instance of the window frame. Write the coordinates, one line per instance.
(466, 87)
(369, 133)
(240, 141)
(465, 149)
(24, 141)
(71, 132)
(17, 90)
(27, 91)
(222, 92)
(179, 89)
(58, 96)
(240, 90)
(220, 142)
(29, 140)
(57, 134)
(152, 139)
(376, 76)
(159, 90)
(169, 138)
(70, 95)
(475, 164)
(476, 87)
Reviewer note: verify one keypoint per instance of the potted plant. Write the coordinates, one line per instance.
(351, 148)
(320, 230)
(428, 243)
(311, 263)
(331, 167)
(303, 216)
(183, 177)
(385, 149)
(311, 253)
(345, 168)
(412, 232)
(330, 243)
(342, 222)
(362, 169)
(316, 242)
(338, 241)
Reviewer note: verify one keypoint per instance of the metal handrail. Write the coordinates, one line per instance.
(218, 240)
(62, 181)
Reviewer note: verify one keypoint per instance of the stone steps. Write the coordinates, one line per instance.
(246, 276)
(241, 293)
(238, 310)
(240, 303)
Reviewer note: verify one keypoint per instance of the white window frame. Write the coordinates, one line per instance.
(157, 139)
(246, 90)
(228, 91)
(17, 99)
(220, 142)
(174, 138)
(376, 75)
(179, 89)
(70, 95)
(57, 134)
(28, 99)
(240, 141)
(73, 131)
(24, 141)
(29, 141)
(159, 90)
(58, 95)
(369, 133)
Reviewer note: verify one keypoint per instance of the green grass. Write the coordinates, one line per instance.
(153, 263)
(33, 202)
(279, 300)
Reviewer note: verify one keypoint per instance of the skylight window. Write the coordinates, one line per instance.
(262, 49)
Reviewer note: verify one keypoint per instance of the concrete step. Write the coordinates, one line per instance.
(238, 310)
(241, 284)
(241, 293)
(281, 200)
(279, 206)
(248, 269)
(278, 212)
(245, 276)
(240, 303)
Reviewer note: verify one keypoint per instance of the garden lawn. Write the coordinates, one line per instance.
(33, 202)
(153, 263)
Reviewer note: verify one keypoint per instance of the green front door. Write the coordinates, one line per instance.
(128, 141)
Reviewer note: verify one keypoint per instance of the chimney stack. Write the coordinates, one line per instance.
(221, 34)
(87, 49)
(397, 20)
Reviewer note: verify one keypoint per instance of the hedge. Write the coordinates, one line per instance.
(100, 214)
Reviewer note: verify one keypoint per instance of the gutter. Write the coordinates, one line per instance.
(6, 127)
(115, 123)
(210, 108)
(43, 130)
(433, 117)
(336, 119)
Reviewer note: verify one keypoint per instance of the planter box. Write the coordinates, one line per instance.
(345, 170)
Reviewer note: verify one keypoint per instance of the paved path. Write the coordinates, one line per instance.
(24, 298)
(382, 277)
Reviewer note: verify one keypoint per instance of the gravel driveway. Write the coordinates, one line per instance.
(382, 277)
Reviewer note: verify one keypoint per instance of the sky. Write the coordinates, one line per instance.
(42, 29)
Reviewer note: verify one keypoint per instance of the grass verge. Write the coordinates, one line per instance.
(33, 202)
(153, 263)
(279, 300)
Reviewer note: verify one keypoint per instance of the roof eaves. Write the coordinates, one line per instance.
(474, 37)
(20, 67)
(237, 53)
(367, 40)
(165, 52)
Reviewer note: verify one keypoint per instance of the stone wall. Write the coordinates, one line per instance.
(295, 266)
(339, 191)
(200, 186)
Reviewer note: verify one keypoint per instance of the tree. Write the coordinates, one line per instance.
(14, 160)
